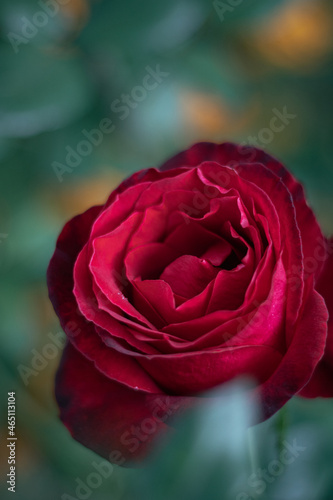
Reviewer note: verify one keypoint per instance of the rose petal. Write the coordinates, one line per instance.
(188, 275)
(148, 261)
(192, 239)
(60, 270)
(105, 416)
(96, 309)
(190, 373)
(302, 356)
(107, 265)
(321, 384)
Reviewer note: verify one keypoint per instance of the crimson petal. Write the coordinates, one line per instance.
(105, 415)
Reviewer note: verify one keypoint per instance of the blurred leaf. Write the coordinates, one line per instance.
(53, 91)
(208, 455)
(150, 26)
(214, 454)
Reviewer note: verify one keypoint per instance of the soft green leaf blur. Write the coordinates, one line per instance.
(218, 455)
(66, 67)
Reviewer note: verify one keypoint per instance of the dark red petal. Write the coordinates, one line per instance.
(230, 287)
(148, 261)
(189, 373)
(106, 416)
(192, 239)
(302, 356)
(91, 305)
(310, 230)
(253, 198)
(60, 282)
(157, 294)
(263, 325)
(107, 265)
(321, 384)
(122, 207)
(267, 181)
(141, 177)
(188, 275)
(156, 297)
(325, 283)
(218, 253)
(202, 151)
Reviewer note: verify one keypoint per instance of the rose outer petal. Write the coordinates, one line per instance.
(321, 384)
(116, 422)
(190, 373)
(303, 355)
(60, 281)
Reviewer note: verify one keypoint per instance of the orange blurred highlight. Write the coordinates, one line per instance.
(82, 194)
(203, 112)
(208, 116)
(297, 36)
(77, 11)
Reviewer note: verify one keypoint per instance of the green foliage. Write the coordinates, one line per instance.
(216, 454)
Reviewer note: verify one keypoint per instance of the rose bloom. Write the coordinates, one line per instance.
(211, 267)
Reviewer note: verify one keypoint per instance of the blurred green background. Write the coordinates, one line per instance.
(67, 66)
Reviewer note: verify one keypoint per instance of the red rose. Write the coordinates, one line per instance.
(208, 268)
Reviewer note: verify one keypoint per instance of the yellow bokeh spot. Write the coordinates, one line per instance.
(77, 11)
(208, 116)
(82, 193)
(297, 36)
(203, 112)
